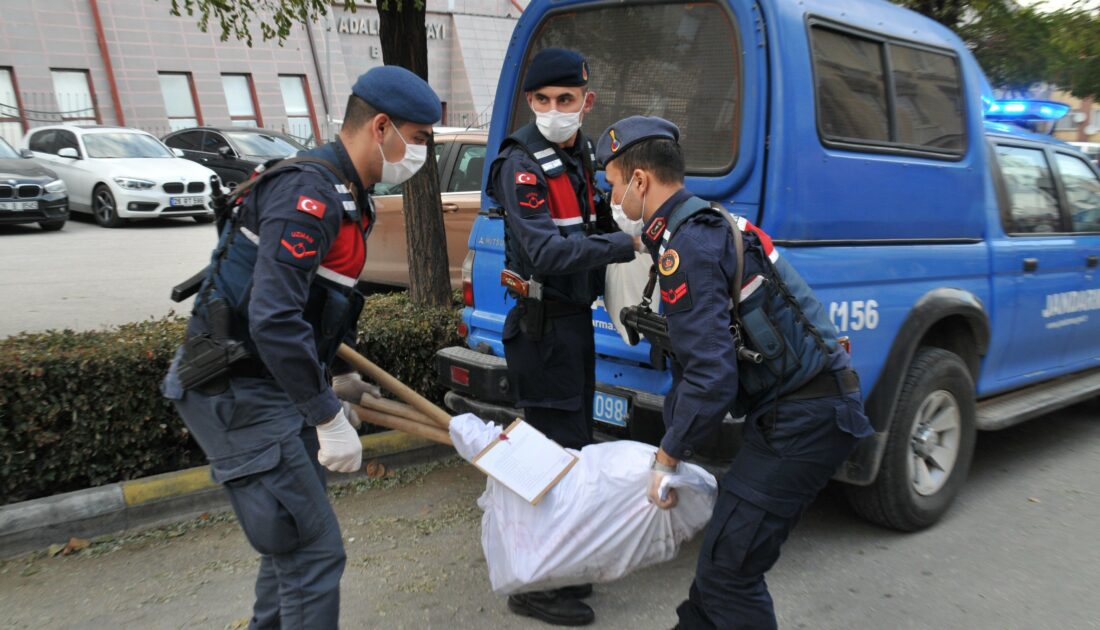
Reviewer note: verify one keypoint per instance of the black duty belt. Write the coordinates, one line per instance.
(558, 308)
(827, 383)
(249, 368)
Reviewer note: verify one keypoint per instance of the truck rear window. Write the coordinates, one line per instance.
(915, 106)
(676, 61)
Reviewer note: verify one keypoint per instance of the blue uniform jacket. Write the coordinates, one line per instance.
(295, 218)
(564, 257)
(696, 266)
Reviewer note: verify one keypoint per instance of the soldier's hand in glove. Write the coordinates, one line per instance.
(349, 412)
(665, 469)
(351, 387)
(341, 450)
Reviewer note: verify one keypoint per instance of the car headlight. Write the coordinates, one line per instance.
(131, 183)
(56, 186)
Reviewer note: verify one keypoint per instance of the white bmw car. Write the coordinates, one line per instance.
(118, 174)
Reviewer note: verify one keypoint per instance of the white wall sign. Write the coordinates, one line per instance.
(363, 26)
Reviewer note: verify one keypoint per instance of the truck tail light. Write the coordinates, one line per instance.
(460, 376)
(468, 279)
(463, 330)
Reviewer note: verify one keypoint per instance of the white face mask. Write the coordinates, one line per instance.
(556, 126)
(633, 227)
(399, 172)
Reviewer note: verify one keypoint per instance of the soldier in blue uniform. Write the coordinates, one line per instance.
(281, 285)
(802, 405)
(559, 237)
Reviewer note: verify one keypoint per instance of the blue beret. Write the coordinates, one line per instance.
(400, 93)
(630, 131)
(556, 66)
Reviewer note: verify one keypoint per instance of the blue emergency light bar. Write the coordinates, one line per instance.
(1023, 110)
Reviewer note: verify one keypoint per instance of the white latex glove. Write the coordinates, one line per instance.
(660, 492)
(351, 387)
(353, 418)
(341, 450)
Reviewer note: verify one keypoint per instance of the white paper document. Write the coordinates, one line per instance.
(525, 461)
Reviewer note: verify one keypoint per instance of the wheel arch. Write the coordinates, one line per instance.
(947, 318)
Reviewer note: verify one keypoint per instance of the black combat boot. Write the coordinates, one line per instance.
(552, 607)
(577, 591)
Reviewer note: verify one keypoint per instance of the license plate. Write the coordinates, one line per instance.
(185, 201)
(18, 205)
(610, 409)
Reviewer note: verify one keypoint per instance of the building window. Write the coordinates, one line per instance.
(300, 117)
(12, 123)
(240, 95)
(75, 99)
(885, 96)
(180, 100)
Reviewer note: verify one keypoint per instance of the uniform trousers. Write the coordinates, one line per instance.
(789, 452)
(264, 454)
(554, 377)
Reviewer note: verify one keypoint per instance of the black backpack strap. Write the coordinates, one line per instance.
(286, 164)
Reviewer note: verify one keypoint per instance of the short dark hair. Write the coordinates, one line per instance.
(359, 112)
(661, 156)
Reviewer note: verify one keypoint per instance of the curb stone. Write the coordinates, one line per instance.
(161, 499)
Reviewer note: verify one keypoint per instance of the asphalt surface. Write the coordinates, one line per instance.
(1019, 549)
(87, 277)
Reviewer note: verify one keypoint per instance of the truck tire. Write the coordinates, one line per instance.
(929, 447)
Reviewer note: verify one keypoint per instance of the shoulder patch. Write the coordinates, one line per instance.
(531, 200)
(299, 246)
(526, 179)
(311, 206)
(675, 294)
(655, 230)
(669, 262)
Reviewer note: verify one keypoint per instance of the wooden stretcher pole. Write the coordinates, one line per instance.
(394, 386)
(405, 425)
(395, 408)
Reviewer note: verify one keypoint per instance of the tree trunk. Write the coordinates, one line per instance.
(404, 35)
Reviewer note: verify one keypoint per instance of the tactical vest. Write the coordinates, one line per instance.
(564, 208)
(778, 316)
(334, 303)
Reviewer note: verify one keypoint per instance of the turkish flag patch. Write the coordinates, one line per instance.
(526, 179)
(311, 206)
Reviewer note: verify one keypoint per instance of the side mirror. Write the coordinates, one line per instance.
(26, 154)
(177, 152)
(226, 153)
(69, 152)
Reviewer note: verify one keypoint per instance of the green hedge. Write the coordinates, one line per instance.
(84, 409)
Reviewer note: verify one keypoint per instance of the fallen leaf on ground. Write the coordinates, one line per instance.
(1034, 499)
(75, 545)
(376, 470)
(54, 550)
(239, 624)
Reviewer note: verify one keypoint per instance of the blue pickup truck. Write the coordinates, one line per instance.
(958, 251)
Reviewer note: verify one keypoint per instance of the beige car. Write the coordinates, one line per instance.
(461, 157)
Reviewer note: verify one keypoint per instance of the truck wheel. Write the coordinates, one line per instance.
(929, 448)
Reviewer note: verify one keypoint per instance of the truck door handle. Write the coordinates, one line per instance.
(1092, 261)
(450, 207)
(1031, 264)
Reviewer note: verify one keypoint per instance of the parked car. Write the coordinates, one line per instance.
(30, 193)
(117, 173)
(461, 157)
(232, 152)
(958, 251)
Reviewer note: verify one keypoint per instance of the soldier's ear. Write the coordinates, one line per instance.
(589, 101)
(378, 127)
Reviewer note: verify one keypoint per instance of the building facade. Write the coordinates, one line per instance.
(131, 63)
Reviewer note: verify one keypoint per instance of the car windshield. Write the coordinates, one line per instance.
(124, 145)
(6, 152)
(263, 145)
(678, 61)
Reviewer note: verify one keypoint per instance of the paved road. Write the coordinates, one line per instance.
(1020, 549)
(86, 277)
